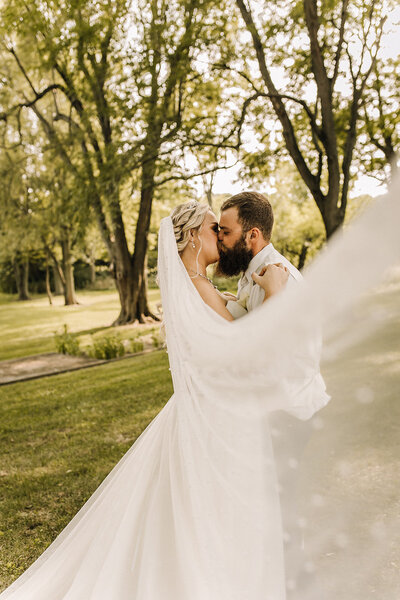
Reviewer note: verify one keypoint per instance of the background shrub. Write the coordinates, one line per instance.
(136, 346)
(67, 343)
(108, 346)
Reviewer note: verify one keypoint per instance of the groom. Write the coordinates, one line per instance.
(244, 244)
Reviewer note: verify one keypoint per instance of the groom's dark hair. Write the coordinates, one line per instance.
(254, 210)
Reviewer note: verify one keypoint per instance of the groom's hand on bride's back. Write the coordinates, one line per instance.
(272, 278)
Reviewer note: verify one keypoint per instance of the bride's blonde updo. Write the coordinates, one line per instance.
(185, 217)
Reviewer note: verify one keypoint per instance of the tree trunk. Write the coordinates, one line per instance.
(140, 255)
(332, 225)
(123, 272)
(142, 300)
(332, 216)
(125, 284)
(133, 295)
(68, 269)
(58, 285)
(394, 166)
(303, 255)
(209, 195)
(391, 157)
(92, 267)
(133, 290)
(21, 272)
(48, 288)
(208, 188)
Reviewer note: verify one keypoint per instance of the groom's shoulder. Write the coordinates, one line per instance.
(278, 257)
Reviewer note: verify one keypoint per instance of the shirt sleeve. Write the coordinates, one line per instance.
(257, 293)
(236, 310)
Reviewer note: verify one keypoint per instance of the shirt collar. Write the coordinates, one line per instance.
(258, 260)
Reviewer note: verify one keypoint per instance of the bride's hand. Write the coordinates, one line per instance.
(228, 296)
(272, 278)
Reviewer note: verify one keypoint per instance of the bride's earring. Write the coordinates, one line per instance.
(193, 245)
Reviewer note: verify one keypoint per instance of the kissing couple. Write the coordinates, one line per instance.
(240, 243)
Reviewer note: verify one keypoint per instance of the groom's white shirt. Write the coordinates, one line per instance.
(250, 294)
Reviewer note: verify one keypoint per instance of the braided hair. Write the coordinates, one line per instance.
(185, 217)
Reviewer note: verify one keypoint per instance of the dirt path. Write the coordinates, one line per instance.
(52, 363)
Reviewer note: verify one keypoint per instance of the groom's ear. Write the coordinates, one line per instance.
(255, 233)
(255, 239)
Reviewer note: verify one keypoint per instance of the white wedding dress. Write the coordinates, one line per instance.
(192, 511)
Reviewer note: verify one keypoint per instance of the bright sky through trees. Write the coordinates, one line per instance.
(226, 181)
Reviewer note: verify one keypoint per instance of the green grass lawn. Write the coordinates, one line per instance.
(27, 328)
(60, 436)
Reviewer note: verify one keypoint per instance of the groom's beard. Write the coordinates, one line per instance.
(233, 261)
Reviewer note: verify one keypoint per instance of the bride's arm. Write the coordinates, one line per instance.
(212, 297)
(272, 279)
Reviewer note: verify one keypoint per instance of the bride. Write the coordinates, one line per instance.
(192, 509)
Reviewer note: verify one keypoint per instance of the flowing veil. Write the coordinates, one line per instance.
(268, 362)
(251, 483)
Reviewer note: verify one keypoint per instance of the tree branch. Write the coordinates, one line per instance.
(324, 92)
(340, 42)
(183, 177)
(29, 103)
(78, 106)
(351, 136)
(303, 103)
(280, 110)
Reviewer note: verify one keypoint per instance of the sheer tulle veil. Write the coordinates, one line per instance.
(339, 512)
(255, 482)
